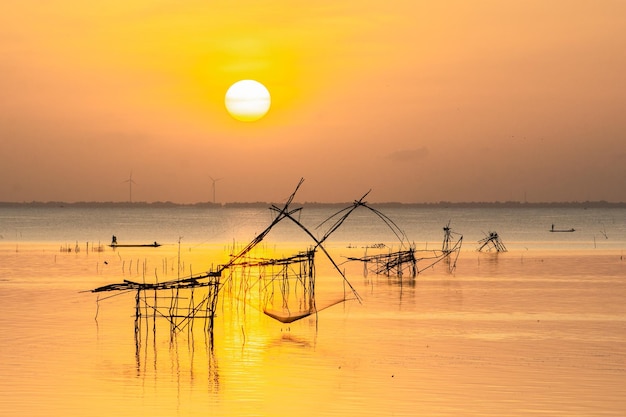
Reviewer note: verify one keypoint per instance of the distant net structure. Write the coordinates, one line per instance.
(409, 262)
(449, 253)
(398, 263)
(451, 246)
(406, 260)
(491, 243)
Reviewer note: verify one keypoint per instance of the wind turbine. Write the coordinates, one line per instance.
(130, 186)
(214, 180)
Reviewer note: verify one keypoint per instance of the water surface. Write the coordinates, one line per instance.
(538, 330)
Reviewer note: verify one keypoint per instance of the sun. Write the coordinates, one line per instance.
(247, 100)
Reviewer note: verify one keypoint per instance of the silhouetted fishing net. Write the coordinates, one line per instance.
(404, 261)
(178, 301)
(283, 288)
(491, 242)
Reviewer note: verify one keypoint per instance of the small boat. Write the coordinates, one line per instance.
(561, 230)
(144, 245)
(114, 244)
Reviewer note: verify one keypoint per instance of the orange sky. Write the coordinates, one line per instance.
(419, 101)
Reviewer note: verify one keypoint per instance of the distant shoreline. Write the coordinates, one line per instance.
(441, 204)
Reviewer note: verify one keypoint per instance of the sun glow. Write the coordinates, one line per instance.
(247, 100)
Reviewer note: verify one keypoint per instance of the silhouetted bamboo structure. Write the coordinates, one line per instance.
(448, 239)
(405, 260)
(184, 304)
(286, 285)
(491, 242)
(287, 282)
(344, 213)
(391, 264)
(450, 247)
(148, 302)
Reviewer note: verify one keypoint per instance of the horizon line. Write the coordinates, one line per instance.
(255, 203)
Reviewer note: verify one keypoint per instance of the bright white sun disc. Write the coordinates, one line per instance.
(247, 100)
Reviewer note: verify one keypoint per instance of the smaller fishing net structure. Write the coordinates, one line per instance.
(491, 243)
(393, 263)
(451, 246)
(396, 263)
(449, 253)
(411, 262)
(404, 261)
(448, 241)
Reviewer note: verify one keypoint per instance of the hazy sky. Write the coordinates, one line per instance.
(419, 101)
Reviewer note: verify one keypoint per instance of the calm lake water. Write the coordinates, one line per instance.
(538, 330)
